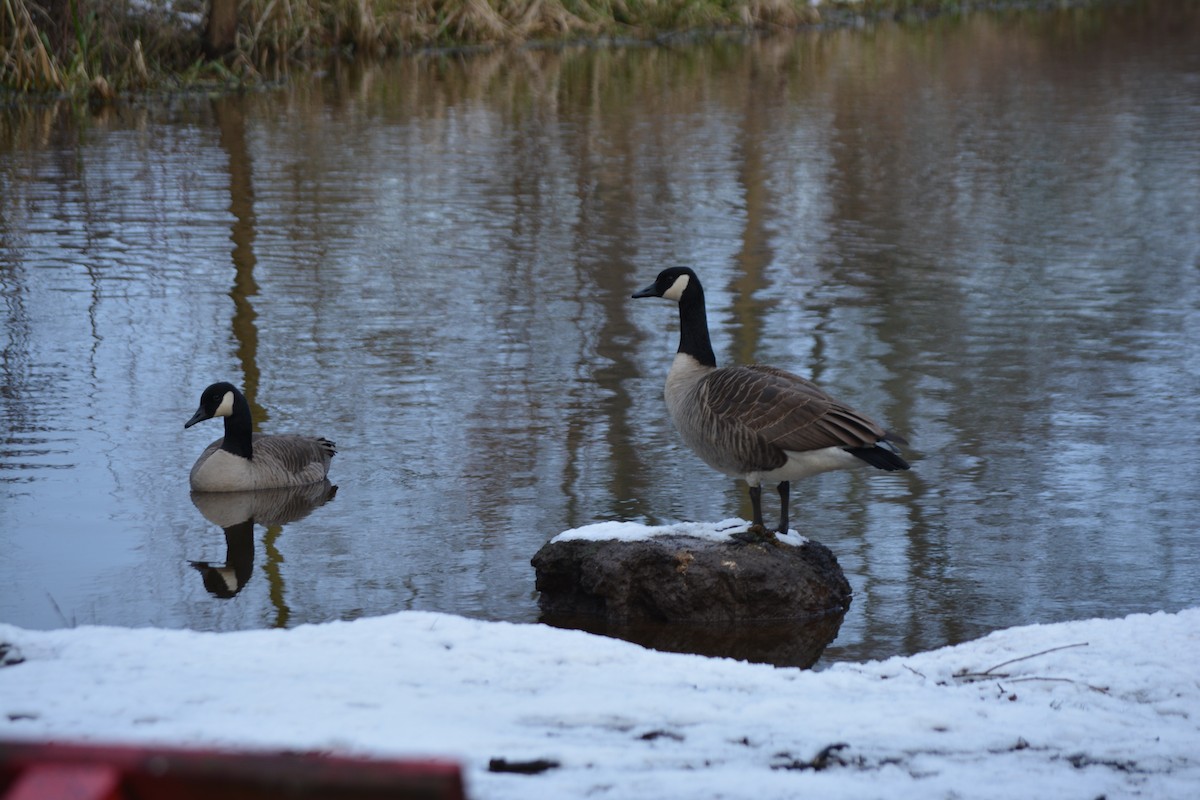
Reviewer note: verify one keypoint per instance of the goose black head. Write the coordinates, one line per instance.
(671, 283)
(215, 401)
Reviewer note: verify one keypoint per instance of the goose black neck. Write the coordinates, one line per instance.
(238, 434)
(693, 326)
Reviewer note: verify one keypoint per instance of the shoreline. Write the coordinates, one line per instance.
(159, 49)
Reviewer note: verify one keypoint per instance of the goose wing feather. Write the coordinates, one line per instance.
(291, 460)
(769, 410)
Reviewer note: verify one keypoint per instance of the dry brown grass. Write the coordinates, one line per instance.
(116, 46)
(26, 63)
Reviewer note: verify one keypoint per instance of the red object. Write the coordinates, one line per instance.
(84, 772)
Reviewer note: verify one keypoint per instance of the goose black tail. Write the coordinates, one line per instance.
(880, 457)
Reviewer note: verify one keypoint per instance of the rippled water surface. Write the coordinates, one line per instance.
(985, 232)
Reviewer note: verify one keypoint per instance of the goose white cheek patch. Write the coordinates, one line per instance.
(676, 290)
(226, 407)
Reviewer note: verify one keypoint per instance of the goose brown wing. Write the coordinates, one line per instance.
(783, 410)
(292, 460)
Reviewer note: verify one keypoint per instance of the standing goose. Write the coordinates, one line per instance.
(759, 423)
(243, 460)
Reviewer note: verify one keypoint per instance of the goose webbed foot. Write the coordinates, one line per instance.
(755, 534)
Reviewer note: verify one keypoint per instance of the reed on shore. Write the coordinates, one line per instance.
(109, 47)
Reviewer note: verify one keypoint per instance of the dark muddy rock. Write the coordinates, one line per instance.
(685, 579)
(781, 643)
(778, 604)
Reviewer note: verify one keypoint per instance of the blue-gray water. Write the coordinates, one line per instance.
(985, 232)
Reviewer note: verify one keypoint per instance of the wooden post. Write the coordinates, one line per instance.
(220, 33)
(58, 30)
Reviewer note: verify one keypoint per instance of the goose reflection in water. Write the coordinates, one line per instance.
(237, 512)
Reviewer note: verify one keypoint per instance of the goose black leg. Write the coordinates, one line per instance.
(784, 491)
(757, 532)
(756, 505)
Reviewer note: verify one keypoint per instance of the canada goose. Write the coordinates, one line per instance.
(759, 423)
(243, 460)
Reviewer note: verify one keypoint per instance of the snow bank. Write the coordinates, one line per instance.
(1080, 710)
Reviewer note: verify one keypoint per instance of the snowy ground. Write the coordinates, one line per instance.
(1077, 710)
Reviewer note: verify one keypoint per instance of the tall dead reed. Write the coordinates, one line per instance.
(76, 46)
(26, 63)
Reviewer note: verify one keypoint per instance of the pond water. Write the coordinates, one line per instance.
(983, 231)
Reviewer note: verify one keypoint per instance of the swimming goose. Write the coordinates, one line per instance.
(759, 423)
(243, 460)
